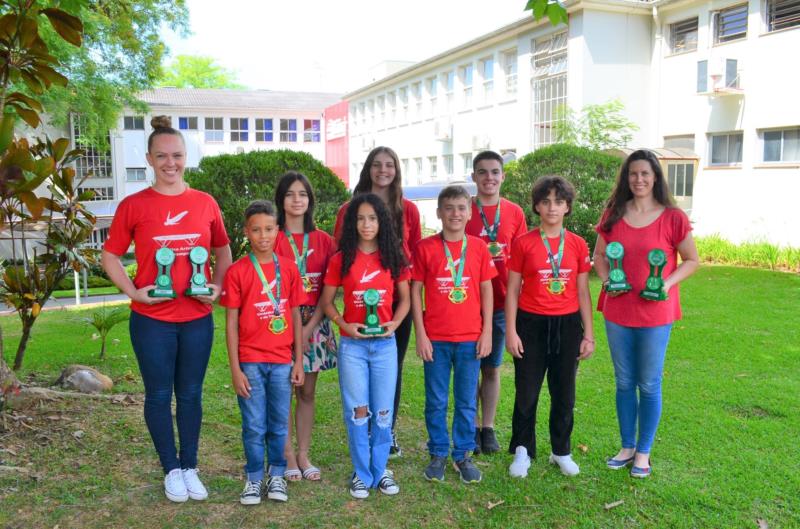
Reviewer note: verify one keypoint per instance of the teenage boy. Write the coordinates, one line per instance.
(455, 330)
(498, 222)
(262, 293)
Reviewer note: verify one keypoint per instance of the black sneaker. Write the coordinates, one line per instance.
(358, 489)
(394, 450)
(387, 484)
(251, 495)
(477, 450)
(489, 442)
(467, 470)
(435, 469)
(276, 488)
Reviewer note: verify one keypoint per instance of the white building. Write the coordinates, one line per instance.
(714, 77)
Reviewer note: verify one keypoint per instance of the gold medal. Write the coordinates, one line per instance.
(307, 285)
(277, 325)
(495, 249)
(556, 287)
(457, 295)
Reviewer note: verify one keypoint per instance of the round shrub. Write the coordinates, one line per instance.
(591, 172)
(236, 179)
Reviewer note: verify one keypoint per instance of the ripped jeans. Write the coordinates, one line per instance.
(367, 377)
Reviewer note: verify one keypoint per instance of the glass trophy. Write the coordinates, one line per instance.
(372, 324)
(164, 260)
(654, 286)
(617, 280)
(198, 285)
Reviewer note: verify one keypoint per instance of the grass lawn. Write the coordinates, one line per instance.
(724, 455)
(96, 291)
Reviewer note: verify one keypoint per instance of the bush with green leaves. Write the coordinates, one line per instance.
(104, 320)
(236, 179)
(591, 172)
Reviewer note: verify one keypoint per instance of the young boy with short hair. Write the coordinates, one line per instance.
(262, 293)
(498, 222)
(454, 331)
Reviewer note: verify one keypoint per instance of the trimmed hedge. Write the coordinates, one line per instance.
(591, 172)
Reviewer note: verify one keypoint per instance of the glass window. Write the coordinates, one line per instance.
(466, 84)
(731, 24)
(135, 174)
(100, 193)
(549, 85)
(684, 141)
(95, 162)
(487, 72)
(239, 129)
(448, 165)
(726, 148)
(434, 166)
(510, 70)
(264, 129)
(683, 36)
(782, 145)
(466, 164)
(681, 178)
(782, 14)
(187, 123)
(702, 76)
(215, 131)
(133, 122)
(288, 130)
(311, 131)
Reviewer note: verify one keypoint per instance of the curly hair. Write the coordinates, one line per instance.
(389, 247)
(364, 185)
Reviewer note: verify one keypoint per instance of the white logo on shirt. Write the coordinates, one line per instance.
(366, 278)
(173, 221)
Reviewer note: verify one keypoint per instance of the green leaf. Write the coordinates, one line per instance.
(556, 13)
(539, 9)
(6, 131)
(60, 147)
(66, 25)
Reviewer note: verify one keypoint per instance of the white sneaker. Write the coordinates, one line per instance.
(194, 486)
(566, 464)
(522, 462)
(174, 487)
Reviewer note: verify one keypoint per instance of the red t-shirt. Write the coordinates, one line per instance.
(242, 289)
(512, 226)
(320, 250)
(366, 272)
(666, 232)
(412, 230)
(529, 258)
(446, 321)
(153, 220)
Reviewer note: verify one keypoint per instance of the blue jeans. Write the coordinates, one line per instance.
(265, 415)
(173, 356)
(462, 358)
(638, 356)
(367, 378)
(495, 358)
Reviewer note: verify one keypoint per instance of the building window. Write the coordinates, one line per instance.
(782, 145)
(487, 72)
(684, 141)
(239, 129)
(95, 161)
(135, 174)
(433, 89)
(510, 70)
(683, 36)
(448, 165)
(782, 14)
(549, 85)
(215, 132)
(264, 129)
(730, 24)
(434, 167)
(404, 167)
(133, 122)
(100, 193)
(466, 84)
(187, 123)
(311, 131)
(416, 92)
(680, 176)
(288, 130)
(403, 96)
(726, 149)
(391, 102)
(466, 164)
(702, 77)
(362, 111)
(381, 111)
(418, 168)
(449, 82)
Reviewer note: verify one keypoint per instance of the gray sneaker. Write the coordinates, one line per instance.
(435, 469)
(467, 470)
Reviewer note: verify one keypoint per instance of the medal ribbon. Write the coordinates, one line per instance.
(276, 304)
(299, 258)
(555, 261)
(456, 274)
(491, 231)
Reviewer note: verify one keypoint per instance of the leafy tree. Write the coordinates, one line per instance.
(192, 71)
(236, 179)
(591, 172)
(597, 127)
(104, 320)
(553, 10)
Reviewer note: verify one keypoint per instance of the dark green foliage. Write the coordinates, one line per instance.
(93, 281)
(236, 179)
(591, 172)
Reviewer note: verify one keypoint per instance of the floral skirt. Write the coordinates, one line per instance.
(321, 354)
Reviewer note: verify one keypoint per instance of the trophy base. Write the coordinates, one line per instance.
(197, 291)
(618, 287)
(652, 295)
(372, 331)
(162, 293)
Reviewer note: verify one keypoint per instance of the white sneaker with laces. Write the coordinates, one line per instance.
(174, 487)
(566, 464)
(522, 462)
(195, 487)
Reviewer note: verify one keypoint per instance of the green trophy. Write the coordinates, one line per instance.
(372, 324)
(198, 284)
(617, 281)
(164, 259)
(654, 286)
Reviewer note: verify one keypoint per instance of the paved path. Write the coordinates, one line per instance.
(91, 301)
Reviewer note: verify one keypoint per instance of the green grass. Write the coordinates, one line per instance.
(715, 249)
(95, 291)
(725, 454)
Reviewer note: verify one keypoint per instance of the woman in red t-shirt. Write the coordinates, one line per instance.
(642, 217)
(381, 176)
(311, 249)
(171, 328)
(549, 324)
(371, 269)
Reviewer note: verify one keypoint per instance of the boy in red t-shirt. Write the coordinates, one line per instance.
(498, 222)
(454, 331)
(262, 293)
(549, 326)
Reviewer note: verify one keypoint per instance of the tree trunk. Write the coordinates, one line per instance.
(103, 347)
(8, 379)
(27, 325)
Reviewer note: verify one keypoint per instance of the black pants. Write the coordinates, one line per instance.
(401, 336)
(552, 345)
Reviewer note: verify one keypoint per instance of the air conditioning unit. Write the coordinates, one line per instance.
(443, 130)
(480, 142)
(239, 150)
(724, 75)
